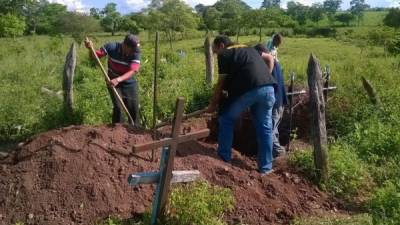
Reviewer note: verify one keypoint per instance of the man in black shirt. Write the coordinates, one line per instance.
(243, 82)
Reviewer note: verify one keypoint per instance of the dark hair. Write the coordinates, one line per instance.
(277, 39)
(223, 39)
(261, 48)
(131, 40)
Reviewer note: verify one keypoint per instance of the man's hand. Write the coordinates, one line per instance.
(114, 82)
(88, 43)
(211, 108)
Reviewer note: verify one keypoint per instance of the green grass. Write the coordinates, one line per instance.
(334, 219)
(369, 133)
(197, 203)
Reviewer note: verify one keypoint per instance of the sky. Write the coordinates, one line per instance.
(128, 6)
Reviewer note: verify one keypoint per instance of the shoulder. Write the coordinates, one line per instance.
(111, 46)
(135, 56)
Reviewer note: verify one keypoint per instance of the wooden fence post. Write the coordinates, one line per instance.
(318, 126)
(68, 80)
(209, 59)
(155, 89)
(371, 92)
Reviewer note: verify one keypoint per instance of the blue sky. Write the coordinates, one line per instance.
(127, 6)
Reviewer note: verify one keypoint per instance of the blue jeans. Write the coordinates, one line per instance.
(277, 113)
(260, 100)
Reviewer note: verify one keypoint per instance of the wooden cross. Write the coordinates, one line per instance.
(165, 176)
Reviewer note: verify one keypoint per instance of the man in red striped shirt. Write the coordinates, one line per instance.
(123, 64)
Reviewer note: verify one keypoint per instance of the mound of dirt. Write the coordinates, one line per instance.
(78, 175)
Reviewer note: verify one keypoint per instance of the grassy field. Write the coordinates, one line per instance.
(365, 142)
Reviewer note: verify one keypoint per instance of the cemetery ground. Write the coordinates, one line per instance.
(78, 174)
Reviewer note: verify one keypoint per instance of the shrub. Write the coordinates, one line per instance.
(385, 205)
(392, 19)
(393, 46)
(334, 219)
(376, 141)
(348, 175)
(199, 203)
(11, 25)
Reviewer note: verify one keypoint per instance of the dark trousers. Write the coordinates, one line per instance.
(129, 95)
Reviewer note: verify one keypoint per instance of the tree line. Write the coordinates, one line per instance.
(175, 17)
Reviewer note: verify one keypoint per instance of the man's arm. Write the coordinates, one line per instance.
(126, 76)
(216, 98)
(100, 53)
(269, 60)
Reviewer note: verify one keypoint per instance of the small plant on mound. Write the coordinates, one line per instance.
(348, 176)
(199, 203)
(385, 205)
(333, 219)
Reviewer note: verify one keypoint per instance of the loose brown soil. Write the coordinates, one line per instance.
(78, 175)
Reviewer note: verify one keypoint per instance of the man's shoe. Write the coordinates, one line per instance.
(279, 152)
(223, 159)
(265, 172)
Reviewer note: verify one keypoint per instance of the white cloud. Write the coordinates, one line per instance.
(394, 3)
(73, 5)
(304, 2)
(204, 2)
(137, 5)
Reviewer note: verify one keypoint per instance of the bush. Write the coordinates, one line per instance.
(376, 141)
(392, 19)
(393, 46)
(11, 25)
(385, 205)
(315, 31)
(334, 219)
(348, 175)
(199, 204)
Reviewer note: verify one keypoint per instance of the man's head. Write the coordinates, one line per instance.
(261, 48)
(131, 42)
(220, 43)
(277, 39)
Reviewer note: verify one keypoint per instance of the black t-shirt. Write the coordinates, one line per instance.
(243, 70)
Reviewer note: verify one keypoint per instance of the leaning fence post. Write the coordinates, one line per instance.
(68, 80)
(318, 124)
(209, 59)
(374, 98)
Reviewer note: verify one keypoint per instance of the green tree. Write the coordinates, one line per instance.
(139, 18)
(331, 7)
(357, 8)
(271, 4)
(32, 14)
(175, 17)
(316, 12)
(14, 7)
(129, 25)
(11, 25)
(212, 18)
(48, 18)
(392, 19)
(200, 9)
(156, 4)
(259, 18)
(232, 15)
(78, 25)
(297, 11)
(345, 18)
(95, 13)
(111, 19)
